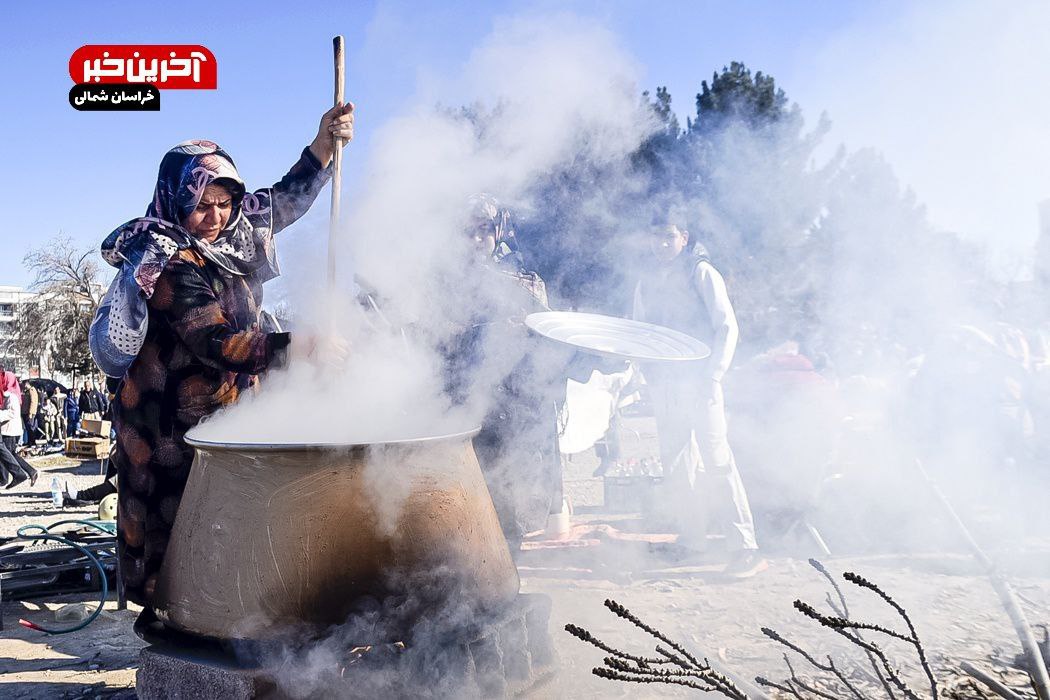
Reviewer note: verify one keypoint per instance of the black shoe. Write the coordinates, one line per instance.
(32, 479)
(68, 502)
(15, 482)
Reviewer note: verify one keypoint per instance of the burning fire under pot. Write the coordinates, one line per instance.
(286, 541)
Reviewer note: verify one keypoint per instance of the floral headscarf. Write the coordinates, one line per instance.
(141, 248)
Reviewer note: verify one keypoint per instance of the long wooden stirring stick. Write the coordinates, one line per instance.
(337, 164)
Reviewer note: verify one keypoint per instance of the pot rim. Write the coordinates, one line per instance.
(215, 445)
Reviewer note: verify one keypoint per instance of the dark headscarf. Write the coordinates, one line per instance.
(507, 259)
(142, 247)
(486, 212)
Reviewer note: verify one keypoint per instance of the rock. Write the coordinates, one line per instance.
(74, 612)
(167, 676)
(514, 643)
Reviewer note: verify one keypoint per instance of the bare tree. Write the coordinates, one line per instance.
(55, 322)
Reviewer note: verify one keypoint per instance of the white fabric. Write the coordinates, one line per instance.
(589, 408)
(11, 416)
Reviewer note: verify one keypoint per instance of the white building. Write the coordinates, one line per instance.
(10, 300)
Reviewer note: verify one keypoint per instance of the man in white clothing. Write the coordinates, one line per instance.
(685, 292)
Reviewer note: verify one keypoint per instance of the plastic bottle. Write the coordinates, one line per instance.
(56, 493)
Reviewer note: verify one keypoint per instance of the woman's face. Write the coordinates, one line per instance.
(483, 236)
(208, 220)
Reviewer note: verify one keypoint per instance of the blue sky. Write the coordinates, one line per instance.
(81, 174)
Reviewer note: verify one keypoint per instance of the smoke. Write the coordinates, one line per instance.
(943, 90)
(832, 258)
(870, 337)
(544, 94)
(436, 339)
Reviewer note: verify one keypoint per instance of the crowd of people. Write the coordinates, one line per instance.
(38, 415)
(49, 415)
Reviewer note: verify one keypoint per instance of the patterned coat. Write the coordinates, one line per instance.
(203, 347)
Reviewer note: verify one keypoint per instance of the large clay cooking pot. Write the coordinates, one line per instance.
(269, 536)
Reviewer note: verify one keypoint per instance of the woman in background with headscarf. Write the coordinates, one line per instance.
(517, 443)
(181, 326)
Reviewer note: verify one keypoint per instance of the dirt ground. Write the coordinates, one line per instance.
(98, 661)
(956, 613)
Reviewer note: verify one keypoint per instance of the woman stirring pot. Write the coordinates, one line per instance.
(180, 325)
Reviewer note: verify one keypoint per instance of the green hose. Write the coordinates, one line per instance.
(45, 534)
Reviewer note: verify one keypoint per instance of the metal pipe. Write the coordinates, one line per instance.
(1036, 664)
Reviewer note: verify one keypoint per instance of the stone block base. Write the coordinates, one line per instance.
(166, 674)
(511, 654)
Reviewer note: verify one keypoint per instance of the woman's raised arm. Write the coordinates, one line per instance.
(280, 206)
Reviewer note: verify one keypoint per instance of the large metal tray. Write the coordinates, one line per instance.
(620, 338)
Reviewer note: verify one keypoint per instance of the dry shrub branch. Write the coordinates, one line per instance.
(675, 665)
